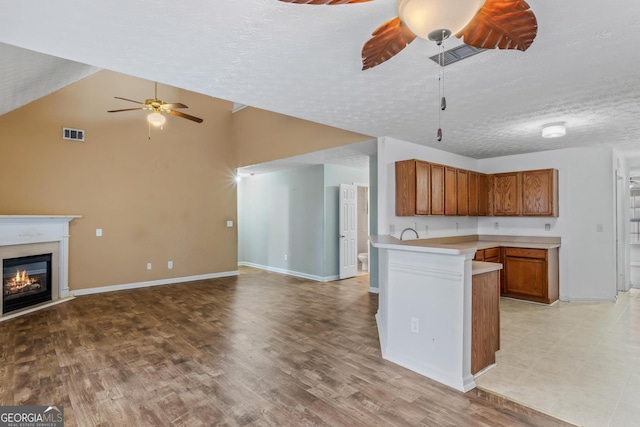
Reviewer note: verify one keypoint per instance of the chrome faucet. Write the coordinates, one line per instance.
(407, 229)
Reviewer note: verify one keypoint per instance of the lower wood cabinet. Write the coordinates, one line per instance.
(531, 274)
(485, 320)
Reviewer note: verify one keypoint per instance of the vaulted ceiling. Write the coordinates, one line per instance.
(304, 61)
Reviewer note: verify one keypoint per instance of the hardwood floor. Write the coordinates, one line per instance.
(258, 349)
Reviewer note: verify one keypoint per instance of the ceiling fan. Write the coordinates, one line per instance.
(157, 107)
(484, 24)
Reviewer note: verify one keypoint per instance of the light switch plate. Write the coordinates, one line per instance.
(229, 224)
(98, 232)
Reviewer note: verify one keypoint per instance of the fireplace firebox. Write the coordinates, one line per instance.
(26, 281)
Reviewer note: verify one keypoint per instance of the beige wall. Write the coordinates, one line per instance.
(167, 198)
(262, 136)
(156, 200)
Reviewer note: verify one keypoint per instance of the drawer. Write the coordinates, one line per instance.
(492, 259)
(491, 253)
(526, 253)
(479, 256)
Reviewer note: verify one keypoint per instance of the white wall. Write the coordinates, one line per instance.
(282, 213)
(586, 194)
(586, 199)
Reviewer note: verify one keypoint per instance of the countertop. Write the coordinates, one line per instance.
(458, 248)
(481, 267)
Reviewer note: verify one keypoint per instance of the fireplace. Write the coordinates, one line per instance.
(26, 281)
(28, 237)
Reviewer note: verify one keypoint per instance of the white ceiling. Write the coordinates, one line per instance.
(304, 61)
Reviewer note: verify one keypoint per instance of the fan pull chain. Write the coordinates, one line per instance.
(443, 100)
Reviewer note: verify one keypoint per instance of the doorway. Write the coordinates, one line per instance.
(353, 250)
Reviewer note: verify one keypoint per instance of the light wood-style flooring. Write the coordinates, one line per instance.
(260, 349)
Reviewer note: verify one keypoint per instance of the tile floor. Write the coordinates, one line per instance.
(578, 361)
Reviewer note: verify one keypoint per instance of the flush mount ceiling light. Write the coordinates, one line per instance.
(554, 130)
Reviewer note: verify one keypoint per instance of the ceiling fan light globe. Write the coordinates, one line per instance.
(425, 16)
(156, 119)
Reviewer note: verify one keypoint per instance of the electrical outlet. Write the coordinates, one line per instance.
(426, 229)
(170, 265)
(547, 227)
(392, 228)
(415, 325)
(98, 232)
(457, 226)
(285, 257)
(600, 228)
(496, 225)
(148, 266)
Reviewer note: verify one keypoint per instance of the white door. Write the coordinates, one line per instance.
(348, 231)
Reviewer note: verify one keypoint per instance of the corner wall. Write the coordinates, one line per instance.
(156, 200)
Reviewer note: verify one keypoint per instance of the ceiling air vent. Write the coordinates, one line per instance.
(73, 134)
(457, 54)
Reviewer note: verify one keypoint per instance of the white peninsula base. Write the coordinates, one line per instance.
(424, 311)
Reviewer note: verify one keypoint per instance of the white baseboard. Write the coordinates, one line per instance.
(373, 290)
(160, 282)
(290, 272)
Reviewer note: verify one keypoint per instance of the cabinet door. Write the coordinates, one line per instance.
(472, 187)
(525, 272)
(406, 188)
(525, 276)
(423, 189)
(450, 191)
(539, 192)
(437, 189)
(462, 192)
(483, 195)
(506, 194)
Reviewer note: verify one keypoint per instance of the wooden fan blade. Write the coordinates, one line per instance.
(130, 100)
(185, 116)
(174, 105)
(327, 2)
(502, 24)
(126, 109)
(389, 39)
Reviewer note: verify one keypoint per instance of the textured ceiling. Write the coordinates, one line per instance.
(304, 61)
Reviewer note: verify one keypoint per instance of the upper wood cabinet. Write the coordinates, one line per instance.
(437, 189)
(412, 188)
(505, 193)
(526, 193)
(450, 191)
(424, 188)
(462, 192)
(539, 192)
(483, 195)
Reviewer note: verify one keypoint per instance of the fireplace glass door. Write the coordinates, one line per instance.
(26, 281)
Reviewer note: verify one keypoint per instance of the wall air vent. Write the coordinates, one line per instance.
(73, 134)
(457, 54)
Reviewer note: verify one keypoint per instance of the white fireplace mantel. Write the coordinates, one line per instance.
(21, 230)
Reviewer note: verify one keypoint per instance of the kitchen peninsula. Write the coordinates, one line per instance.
(425, 312)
